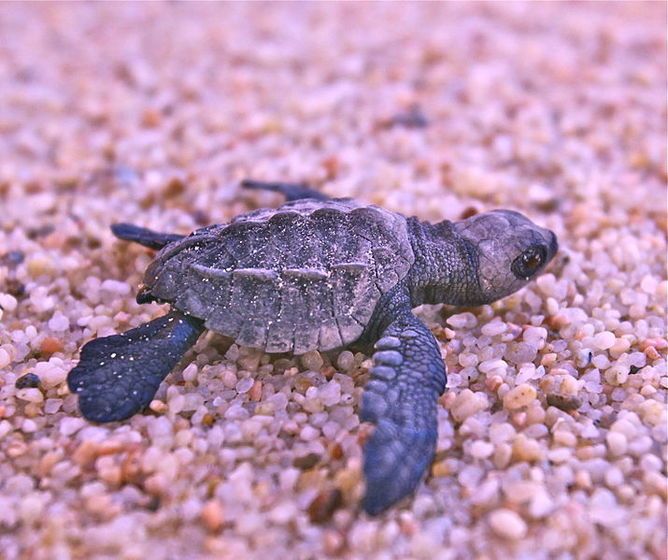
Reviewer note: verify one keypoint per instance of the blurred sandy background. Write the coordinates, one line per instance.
(553, 428)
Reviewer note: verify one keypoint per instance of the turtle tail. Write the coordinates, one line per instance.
(118, 375)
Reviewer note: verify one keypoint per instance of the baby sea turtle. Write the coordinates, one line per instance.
(319, 274)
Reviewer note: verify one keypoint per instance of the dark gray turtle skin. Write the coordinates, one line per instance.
(319, 274)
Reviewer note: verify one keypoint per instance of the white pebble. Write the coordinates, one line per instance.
(330, 393)
(470, 476)
(283, 513)
(51, 406)
(176, 404)
(620, 346)
(59, 322)
(244, 385)
(31, 508)
(649, 462)
(70, 425)
(8, 302)
(309, 433)
(462, 320)
(236, 412)
(494, 328)
(640, 445)
(312, 360)
(30, 395)
(500, 433)
(493, 365)
(29, 426)
(604, 340)
(648, 284)
(467, 360)
(345, 361)
(507, 524)
(614, 477)
(559, 455)
(481, 449)
(541, 505)
(229, 378)
(521, 352)
(116, 287)
(5, 358)
(190, 373)
(52, 375)
(600, 361)
(625, 427)
(466, 404)
(535, 336)
(279, 401)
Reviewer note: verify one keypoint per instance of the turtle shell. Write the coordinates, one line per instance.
(306, 276)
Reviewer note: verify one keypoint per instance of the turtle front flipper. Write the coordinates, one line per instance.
(401, 399)
(291, 191)
(118, 375)
(144, 236)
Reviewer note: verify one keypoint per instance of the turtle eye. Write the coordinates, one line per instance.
(529, 262)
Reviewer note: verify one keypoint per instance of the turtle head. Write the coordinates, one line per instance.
(510, 250)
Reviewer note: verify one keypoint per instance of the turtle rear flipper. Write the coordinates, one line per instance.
(291, 191)
(118, 375)
(143, 236)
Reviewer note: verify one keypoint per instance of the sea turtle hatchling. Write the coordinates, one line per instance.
(319, 274)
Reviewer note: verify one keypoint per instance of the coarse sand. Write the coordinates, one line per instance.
(553, 426)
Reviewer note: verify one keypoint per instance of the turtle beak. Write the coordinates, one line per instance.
(553, 245)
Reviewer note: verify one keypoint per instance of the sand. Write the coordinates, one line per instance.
(553, 426)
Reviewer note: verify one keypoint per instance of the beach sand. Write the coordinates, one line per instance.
(553, 428)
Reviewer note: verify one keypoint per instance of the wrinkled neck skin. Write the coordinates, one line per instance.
(445, 268)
